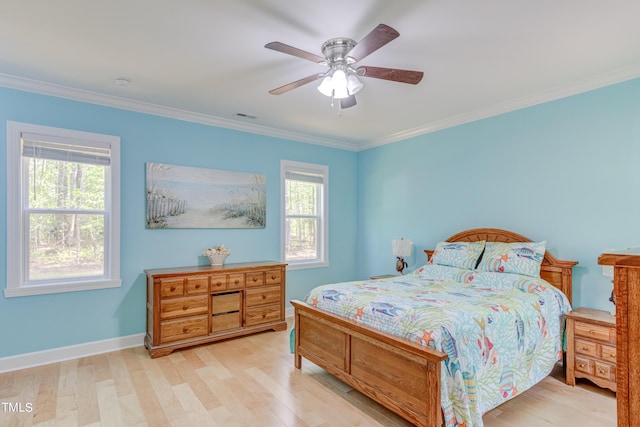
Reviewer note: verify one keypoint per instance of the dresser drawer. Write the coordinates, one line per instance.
(197, 285)
(225, 303)
(598, 332)
(588, 348)
(584, 365)
(262, 314)
(182, 307)
(273, 277)
(171, 287)
(218, 282)
(609, 354)
(255, 278)
(235, 281)
(263, 296)
(223, 322)
(174, 330)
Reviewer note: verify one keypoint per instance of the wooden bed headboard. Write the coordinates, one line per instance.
(556, 272)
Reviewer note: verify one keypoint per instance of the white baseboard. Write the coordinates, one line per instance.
(288, 312)
(45, 357)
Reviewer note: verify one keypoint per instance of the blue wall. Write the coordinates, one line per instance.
(564, 171)
(42, 322)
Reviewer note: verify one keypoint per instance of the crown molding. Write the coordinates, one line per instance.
(574, 88)
(52, 89)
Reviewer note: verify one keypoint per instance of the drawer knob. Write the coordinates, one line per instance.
(236, 282)
(585, 348)
(172, 289)
(264, 315)
(255, 279)
(197, 286)
(185, 330)
(273, 277)
(264, 296)
(582, 365)
(185, 307)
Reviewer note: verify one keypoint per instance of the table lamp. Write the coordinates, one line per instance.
(401, 248)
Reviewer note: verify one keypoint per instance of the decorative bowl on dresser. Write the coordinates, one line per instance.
(188, 306)
(591, 347)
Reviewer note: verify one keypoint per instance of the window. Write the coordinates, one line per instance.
(63, 210)
(304, 214)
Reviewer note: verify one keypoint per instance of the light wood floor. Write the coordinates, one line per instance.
(248, 381)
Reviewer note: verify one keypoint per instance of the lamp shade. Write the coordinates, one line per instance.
(402, 247)
(340, 84)
(326, 88)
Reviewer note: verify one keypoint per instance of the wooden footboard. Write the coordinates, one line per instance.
(398, 374)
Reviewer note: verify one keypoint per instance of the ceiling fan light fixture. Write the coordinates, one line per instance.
(340, 84)
(342, 79)
(325, 87)
(353, 84)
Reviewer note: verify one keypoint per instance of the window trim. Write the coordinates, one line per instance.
(323, 170)
(16, 244)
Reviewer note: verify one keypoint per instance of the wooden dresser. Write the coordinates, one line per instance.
(591, 347)
(187, 306)
(626, 287)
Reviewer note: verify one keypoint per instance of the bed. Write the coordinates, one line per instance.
(424, 373)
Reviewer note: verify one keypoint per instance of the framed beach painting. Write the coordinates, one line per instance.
(190, 197)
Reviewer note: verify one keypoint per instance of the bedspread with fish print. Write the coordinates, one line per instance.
(502, 334)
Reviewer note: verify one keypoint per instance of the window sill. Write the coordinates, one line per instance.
(60, 288)
(305, 265)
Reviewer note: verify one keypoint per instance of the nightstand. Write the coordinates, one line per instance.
(383, 276)
(591, 347)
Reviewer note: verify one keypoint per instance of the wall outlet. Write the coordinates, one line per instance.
(607, 270)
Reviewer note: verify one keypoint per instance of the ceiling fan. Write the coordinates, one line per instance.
(341, 80)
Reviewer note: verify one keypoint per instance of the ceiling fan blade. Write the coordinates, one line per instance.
(348, 102)
(393, 74)
(378, 37)
(286, 88)
(285, 48)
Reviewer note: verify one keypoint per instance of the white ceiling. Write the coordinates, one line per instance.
(205, 61)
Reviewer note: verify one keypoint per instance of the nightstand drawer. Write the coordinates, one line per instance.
(598, 332)
(586, 347)
(605, 370)
(584, 364)
(609, 353)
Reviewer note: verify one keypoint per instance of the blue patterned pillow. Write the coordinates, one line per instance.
(457, 254)
(520, 258)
